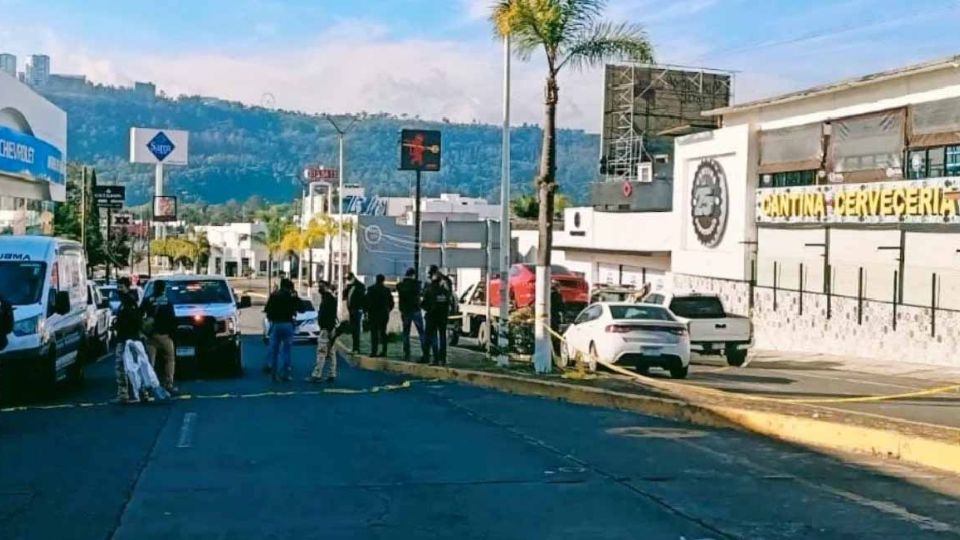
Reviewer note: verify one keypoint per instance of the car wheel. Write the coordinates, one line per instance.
(75, 374)
(236, 363)
(679, 371)
(592, 361)
(483, 335)
(735, 357)
(564, 355)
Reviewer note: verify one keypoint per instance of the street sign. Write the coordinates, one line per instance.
(419, 150)
(320, 173)
(164, 209)
(109, 197)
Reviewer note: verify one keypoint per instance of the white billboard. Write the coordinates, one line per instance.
(166, 146)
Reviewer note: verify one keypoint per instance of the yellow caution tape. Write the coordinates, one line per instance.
(649, 381)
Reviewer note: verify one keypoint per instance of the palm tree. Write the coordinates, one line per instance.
(570, 33)
(272, 239)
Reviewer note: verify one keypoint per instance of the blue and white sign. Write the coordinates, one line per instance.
(30, 158)
(159, 146)
(364, 206)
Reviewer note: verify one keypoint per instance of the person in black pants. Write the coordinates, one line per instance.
(408, 292)
(436, 304)
(355, 294)
(379, 306)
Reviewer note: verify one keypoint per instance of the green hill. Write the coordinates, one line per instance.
(238, 151)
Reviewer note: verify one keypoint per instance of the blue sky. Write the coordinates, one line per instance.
(325, 55)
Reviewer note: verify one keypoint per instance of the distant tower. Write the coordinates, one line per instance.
(8, 64)
(38, 70)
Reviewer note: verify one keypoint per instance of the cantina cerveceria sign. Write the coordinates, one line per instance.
(916, 201)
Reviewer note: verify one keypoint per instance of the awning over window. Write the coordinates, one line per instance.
(798, 148)
(870, 146)
(935, 123)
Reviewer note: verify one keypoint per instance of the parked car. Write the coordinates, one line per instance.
(112, 296)
(305, 328)
(713, 331)
(208, 321)
(45, 280)
(635, 335)
(523, 286)
(99, 322)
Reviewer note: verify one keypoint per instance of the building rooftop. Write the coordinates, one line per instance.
(952, 62)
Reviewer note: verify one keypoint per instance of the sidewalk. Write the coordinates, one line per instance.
(820, 379)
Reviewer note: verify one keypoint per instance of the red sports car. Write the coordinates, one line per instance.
(573, 288)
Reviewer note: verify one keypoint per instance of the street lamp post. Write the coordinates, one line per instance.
(340, 134)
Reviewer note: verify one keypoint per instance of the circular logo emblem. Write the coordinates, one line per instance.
(627, 189)
(373, 234)
(709, 202)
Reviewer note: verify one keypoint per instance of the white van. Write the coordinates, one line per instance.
(46, 281)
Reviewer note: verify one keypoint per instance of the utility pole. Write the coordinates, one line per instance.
(83, 210)
(416, 228)
(341, 174)
(503, 358)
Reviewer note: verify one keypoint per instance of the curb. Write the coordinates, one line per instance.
(798, 425)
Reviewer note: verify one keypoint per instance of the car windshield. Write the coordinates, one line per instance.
(200, 291)
(21, 282)
(554, 269)
(640, 313)
(698, 307)
(305, 306)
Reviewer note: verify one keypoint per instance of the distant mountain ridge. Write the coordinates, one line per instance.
(237, 151)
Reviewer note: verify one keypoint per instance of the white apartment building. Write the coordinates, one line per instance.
(235, 250)
(8, 64)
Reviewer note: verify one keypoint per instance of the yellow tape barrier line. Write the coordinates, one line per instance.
(186, 397)
(649, 381)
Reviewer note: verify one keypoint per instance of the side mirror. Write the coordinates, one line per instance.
(61, 304)
(244, 302)
(104, 304)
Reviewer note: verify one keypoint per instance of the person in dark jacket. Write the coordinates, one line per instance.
(281, 310)
(159, 310)
(355, 293)
(408, 292)
(379, 305)
(557, 308)
(436, 305)
(127, 326)
(327, 320)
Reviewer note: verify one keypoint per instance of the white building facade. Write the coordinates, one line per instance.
(235, 250)
(831, 215)
(33, 153)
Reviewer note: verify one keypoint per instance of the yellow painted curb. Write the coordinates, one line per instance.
(943, 454)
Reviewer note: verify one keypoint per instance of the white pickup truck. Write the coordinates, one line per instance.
(712, 330)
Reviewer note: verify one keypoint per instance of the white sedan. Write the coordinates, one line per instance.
(305, 326)
(635, 335)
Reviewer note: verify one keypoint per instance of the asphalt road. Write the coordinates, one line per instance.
(246, 458)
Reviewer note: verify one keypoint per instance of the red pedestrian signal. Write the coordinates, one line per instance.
(419, 150)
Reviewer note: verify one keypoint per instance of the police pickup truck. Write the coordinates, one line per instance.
(208, 321)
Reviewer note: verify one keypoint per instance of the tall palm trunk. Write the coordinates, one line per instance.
(546, 188)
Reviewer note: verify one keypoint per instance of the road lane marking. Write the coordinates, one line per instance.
(885, 507)
(186, 430)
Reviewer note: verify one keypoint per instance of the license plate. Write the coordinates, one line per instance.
(186, 351)
(651, 350)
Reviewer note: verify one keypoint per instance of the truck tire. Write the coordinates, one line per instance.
(236, 363)
(483, 335)
(735, 357)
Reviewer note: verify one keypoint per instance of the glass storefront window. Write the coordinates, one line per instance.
(935, 159)
(953, 161)
(917, 164)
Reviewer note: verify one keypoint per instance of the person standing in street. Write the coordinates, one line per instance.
(436, 305)
(557, 309)
(327, 320)
(127, 326)
(281, 311)
(408, 293)
(379, 305)
(162, 323)
(355, 293)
